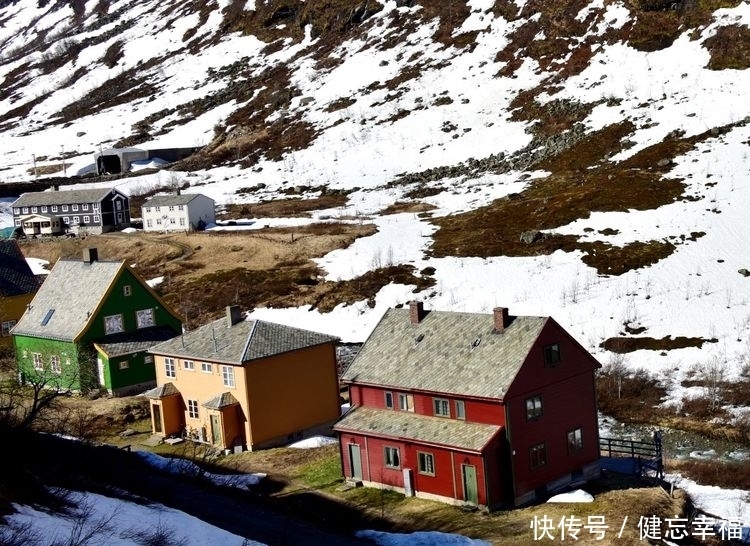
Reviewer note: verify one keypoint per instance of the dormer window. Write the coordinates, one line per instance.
(441, 407)
(552, 355)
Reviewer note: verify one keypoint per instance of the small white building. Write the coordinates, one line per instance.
(41, 224)
(180, 212)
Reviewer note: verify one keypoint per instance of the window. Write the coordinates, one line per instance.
(182, 221)
(87, 219)
(441, 407)
(85, 206)
(148, 209)
(426, 463)
(66, 219)
(18, 221)
(96, 218)
(227, 375)
(74, 207)
(193, 409)
(38, 364)
(405, 402)
(392, 458)
(206, 367)
(172, 221)
(537, 455)
(95, 206)
(118, 205)
(54, 364)
(33, 209)
(389, 400)
(149, 223)
(53, 208)
(144, 318)
(124, 365)
(158, 209)
(26, 210)
(44, 208)
(6, 326)
(113, 324)
(127, 290)
(148, 359)
(65, 208)
(534, 407)
(75, 220)
(171, 208)
(169, 368)
(551, 355)
(158, 221)
(460, 410)
(188, 365)
(575, 440)
(17, 210)
(180, 207)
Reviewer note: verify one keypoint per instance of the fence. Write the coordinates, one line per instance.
(624, 455)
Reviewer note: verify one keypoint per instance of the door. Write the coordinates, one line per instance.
(100, 367)
(215, 430)
(355, 461)
(156, 412)
(469, 473)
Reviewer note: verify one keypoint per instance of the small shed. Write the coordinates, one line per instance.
(41, 224)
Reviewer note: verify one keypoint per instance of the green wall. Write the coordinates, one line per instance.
(78, 365)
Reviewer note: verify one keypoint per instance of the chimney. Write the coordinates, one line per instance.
(501, 319)
(179, 191)
(90, 255)
(416, 312)
(234, 315)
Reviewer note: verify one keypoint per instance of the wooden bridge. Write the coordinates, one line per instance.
(632, 457)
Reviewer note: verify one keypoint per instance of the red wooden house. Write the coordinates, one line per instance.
(485, 409)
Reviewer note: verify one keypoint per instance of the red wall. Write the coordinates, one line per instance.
(568, 402)
(446, 482)
(490, 412)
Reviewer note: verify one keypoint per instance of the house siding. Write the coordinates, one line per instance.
(78, 369)
(311, 401)
(136, 377)
(12, 308)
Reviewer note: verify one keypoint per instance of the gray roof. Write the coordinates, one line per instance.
(221, 401)
(70, 295)
(446, 352)
(125, 343)
(16, 277)
(242, 342)
(162, 391)
(174, 199)
(404, 425)
(61, 197)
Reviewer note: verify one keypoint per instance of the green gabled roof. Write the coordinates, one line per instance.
(446, 352)
(68, 299)
(241, 342)
(405, 426)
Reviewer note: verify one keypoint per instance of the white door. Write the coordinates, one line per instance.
(100, 367)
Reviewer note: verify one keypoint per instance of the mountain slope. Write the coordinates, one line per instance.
(586, 160)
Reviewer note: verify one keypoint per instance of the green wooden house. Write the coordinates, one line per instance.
(90, 326)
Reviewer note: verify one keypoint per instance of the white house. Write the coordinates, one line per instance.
(180, 212)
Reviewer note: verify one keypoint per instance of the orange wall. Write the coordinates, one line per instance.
(292, 392)
(13, 308)
(284, 394)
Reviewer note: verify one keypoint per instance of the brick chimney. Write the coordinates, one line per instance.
(90, 255)
(501, 319)
(234, 315)
(416, 312)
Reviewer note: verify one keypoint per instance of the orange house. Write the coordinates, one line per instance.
(245, 384)
(18, 284)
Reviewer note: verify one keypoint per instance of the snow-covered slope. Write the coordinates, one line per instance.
(470, 100)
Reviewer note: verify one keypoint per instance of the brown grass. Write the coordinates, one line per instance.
(285, 208)
(407, 206)
(623, 345)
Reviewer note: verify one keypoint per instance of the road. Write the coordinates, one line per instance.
(243, 515)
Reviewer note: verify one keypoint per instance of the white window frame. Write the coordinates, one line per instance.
(123, 365)
(38, 362)
(169, 367)
(84, 206)
(127, 290)
(405, 402)
(441, 407)
(53, 208)
(388, 399)
(207, 367)
(65, 208)
(44, 208)
(97, 219)
(460, 408)
(534, 407)
(426, 463)
(149, 223)
(34, 210)
(391, 457)
(74, 207)
(192, 407)
(188, 365)
(87, 219)
(575, 440)
(227, 376)
(55, 364)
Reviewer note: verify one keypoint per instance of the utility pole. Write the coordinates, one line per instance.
(62, 155)
(36, 175)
